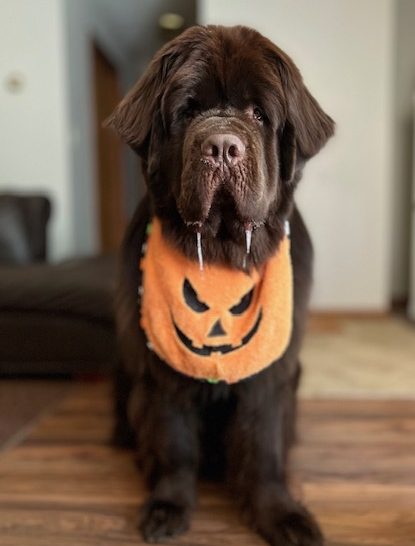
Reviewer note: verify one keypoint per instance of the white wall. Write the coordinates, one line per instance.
(33, 135)
(345, 52)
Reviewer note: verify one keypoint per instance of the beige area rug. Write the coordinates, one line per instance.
(359, 358)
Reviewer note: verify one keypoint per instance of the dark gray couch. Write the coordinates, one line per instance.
(54, 318)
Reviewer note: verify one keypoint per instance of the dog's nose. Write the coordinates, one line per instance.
(220, 148)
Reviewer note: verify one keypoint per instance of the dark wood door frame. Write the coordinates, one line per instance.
(110, 179)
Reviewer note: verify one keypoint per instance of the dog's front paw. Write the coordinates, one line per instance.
(161, 520)
(294, 526)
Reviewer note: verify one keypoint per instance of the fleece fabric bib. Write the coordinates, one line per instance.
(219, 324)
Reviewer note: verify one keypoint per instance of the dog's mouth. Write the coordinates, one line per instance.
(238, 189)
(208, 350)
(223, 221)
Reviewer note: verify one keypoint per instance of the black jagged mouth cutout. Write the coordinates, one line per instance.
(207, 350)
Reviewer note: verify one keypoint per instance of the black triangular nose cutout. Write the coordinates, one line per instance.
(217, 330)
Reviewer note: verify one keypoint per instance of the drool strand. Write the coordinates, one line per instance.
(248, 241)
(248, 237)
(199, 249)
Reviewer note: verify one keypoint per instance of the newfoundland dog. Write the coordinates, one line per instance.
(224, 125)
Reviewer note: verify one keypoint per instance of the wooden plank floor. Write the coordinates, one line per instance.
(22, 402)
(63, 485)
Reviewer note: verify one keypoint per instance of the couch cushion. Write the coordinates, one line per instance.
(33, 342)
(82, 287)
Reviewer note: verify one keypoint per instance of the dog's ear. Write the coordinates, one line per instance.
(307, 127)
(133, 117)
(288, 152)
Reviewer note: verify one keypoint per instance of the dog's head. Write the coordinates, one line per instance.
(224, 124)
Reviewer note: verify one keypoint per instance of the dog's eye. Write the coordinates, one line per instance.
(191, 109)
(191, 298)
(243, 305)
(258, 114)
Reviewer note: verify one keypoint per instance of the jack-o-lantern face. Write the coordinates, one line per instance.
(216, 331)
(220, 324)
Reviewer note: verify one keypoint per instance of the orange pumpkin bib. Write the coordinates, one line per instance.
(219, 324)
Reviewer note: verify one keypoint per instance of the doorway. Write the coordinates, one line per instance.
(110, 180)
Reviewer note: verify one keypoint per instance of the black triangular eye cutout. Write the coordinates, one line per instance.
(243, 305)
(191, 298)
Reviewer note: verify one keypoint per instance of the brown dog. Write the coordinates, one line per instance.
(224, 125)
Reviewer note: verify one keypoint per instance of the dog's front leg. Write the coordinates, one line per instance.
(257, 454)
(168, 449)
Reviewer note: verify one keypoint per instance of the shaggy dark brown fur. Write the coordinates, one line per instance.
(212, 81)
